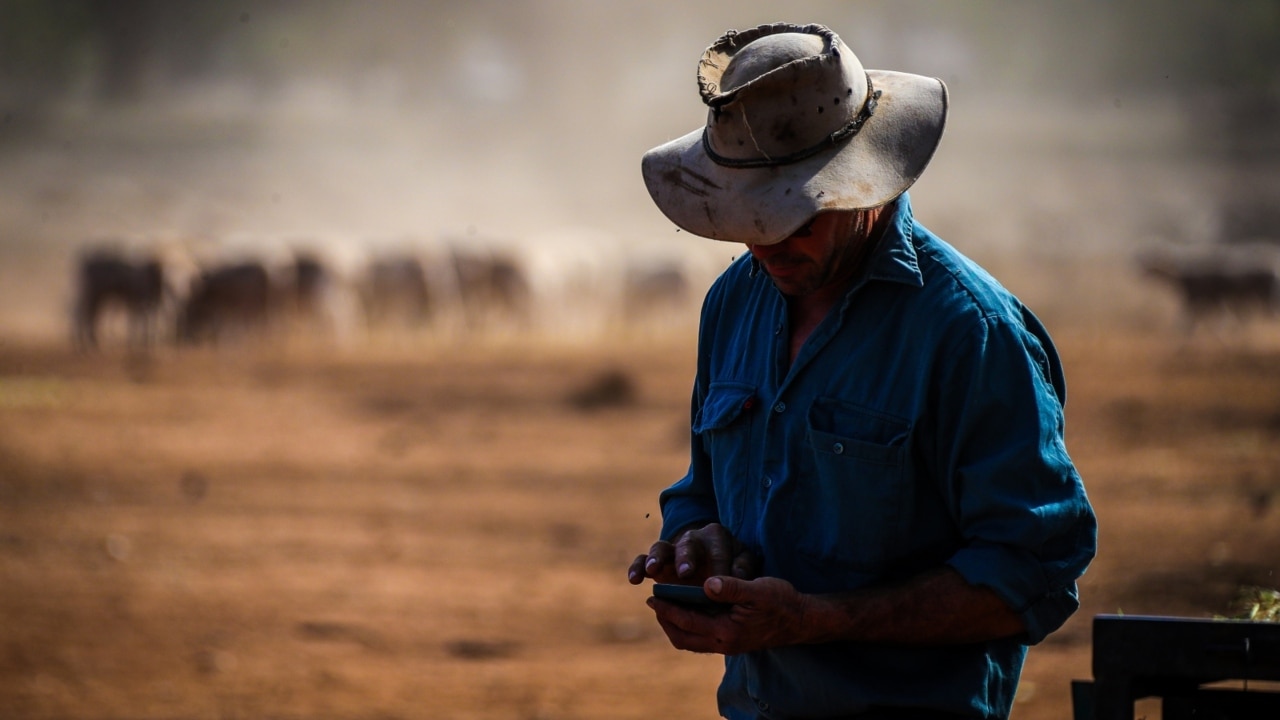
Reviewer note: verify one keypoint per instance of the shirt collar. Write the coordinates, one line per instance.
(894, 259)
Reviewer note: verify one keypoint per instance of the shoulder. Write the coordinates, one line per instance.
(958, 286)
(985, 318)
(970, 301)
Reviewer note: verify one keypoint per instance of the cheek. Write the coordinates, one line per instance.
(813, 248)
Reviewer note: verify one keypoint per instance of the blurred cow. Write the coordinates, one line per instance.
(299, 290)
(1238, 287)
(395, 292)
(226, 301)
(491, 286)
(109, 278)
(654, 291)
(309, 278)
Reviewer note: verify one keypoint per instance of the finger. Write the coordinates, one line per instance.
(635, 573)
(728, 590)
(745, 566)
(688, 554)
(686, 629)
(681, 639)
(719, 546)
(661, 555)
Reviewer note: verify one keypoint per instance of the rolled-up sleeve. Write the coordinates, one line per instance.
(1029, 531)
(692, 499)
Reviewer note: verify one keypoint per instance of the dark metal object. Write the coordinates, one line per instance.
(1171, 658)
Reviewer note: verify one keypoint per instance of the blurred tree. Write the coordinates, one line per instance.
(43, 47)
(126, 32)
(1233, 44)
(1222, 59)
(124, 50)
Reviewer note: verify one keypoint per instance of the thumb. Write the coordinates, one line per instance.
(727, 589)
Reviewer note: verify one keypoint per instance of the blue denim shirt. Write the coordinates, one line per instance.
(920, 425)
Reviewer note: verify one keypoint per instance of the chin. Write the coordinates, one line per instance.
(792, 289)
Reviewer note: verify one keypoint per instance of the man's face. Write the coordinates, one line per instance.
(811, 257)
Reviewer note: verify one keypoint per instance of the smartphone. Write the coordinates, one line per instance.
(689, 596)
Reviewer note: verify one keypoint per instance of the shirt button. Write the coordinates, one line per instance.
(779, 407)
(838, 448)
(762, 705)
(767, 482)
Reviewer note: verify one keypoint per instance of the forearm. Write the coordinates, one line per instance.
(936, 608)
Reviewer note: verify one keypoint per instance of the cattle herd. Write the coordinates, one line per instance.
(151, 294)
(143, 297)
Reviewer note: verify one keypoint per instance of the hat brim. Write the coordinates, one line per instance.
(765, 205)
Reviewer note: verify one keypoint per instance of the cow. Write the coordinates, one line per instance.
(654, 291)
(395, 292)
(108, 278)
(299, 290)
(1235, 287)
(491, 286)
(309, 278)
(226, 301)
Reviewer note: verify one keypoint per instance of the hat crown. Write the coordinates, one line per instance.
(766, 54)
(778, 91)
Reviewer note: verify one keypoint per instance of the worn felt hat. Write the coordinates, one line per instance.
(795, 126)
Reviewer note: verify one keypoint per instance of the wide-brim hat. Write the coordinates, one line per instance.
(796, 126)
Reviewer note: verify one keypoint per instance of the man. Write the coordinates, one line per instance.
(878, 485)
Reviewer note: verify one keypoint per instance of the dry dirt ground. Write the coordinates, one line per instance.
(411, 532)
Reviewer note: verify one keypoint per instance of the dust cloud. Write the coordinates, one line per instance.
(348, 127)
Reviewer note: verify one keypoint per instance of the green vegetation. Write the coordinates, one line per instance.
(1257, 604)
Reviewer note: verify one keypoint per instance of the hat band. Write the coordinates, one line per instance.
(839, 136)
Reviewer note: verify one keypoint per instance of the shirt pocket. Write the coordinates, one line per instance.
(723, 426)
(853, 497)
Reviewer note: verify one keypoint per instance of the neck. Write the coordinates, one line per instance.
(806, 311)
(863, 235)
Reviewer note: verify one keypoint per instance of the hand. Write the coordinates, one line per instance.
(696, 554)
(766, 613)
